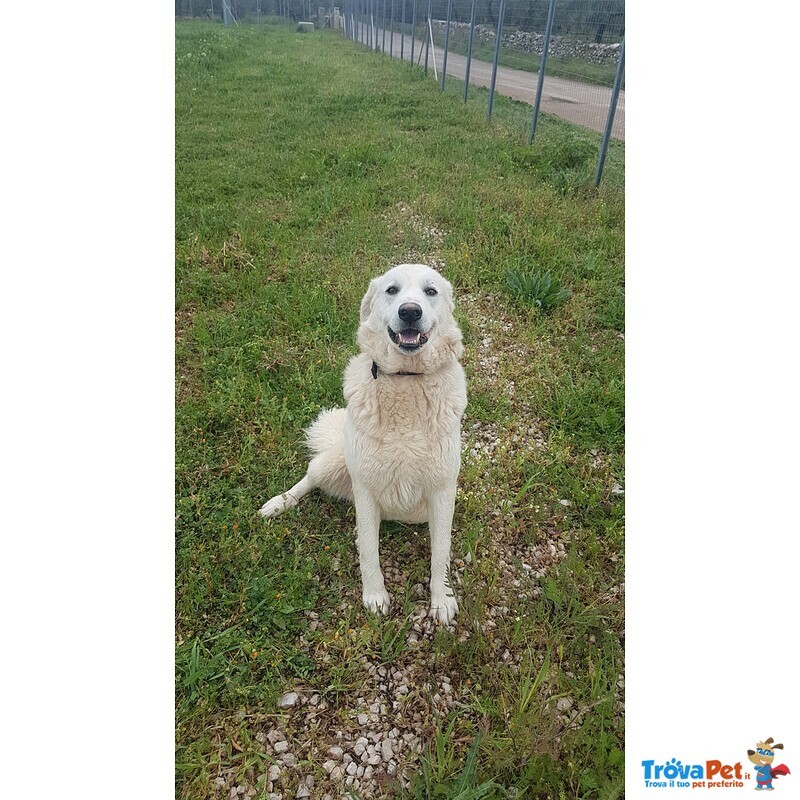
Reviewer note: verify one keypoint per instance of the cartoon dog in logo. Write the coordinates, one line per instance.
(762, 757)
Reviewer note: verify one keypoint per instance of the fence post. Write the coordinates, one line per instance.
(403, 30)
(383, 29)
(227, 13)
(446, 40)
(551, 11)
(428, 37)
(612, 110)
(391, 31)
(498, 36)
(413, 28)
(469, 47)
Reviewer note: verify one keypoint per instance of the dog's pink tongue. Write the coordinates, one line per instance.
(409, 336)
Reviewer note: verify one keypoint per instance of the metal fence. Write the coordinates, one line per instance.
(563, 57)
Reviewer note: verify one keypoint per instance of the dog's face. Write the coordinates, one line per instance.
(765, 752)
(410, 305)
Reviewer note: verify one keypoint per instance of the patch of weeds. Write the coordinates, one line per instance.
(441, 778)
(612, 314)
(566, 161)
(590, 409)
(538, 743)
(574, 180)
(194, 668)
(392, 637)
(564, 153)
(539, 289)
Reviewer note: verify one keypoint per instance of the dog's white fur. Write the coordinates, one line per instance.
(395, 451)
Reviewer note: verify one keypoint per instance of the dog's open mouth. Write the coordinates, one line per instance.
(409, 339)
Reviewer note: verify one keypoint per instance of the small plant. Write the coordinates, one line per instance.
(565, 152)
(439, 778)
(540, 290)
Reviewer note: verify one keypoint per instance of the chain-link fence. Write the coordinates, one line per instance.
(232, 12)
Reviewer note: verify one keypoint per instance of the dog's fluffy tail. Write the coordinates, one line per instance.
(326, 432)
(325, 439)
(326, 471)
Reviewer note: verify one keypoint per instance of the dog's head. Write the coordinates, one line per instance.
(407, 319)
(765, 752)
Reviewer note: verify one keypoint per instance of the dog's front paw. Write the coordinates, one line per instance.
(444, 608)
(273, 507)
(377, 601)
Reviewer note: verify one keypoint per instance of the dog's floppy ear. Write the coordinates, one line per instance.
(448, 295)
(369, 300)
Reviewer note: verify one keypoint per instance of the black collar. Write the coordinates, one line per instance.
(374, 371)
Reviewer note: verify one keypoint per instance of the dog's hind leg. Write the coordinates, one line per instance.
(327, 469)
(289, 499)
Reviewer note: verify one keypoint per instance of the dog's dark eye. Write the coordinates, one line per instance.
(391, 290)
(430, 291)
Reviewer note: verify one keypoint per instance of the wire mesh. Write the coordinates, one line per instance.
(584, 49)
(582, 57)
(253, 10)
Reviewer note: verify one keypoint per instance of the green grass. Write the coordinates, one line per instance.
(306, 165)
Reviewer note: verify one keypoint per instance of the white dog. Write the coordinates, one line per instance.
(395, 451)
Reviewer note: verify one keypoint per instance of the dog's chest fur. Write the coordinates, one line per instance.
(403, 434)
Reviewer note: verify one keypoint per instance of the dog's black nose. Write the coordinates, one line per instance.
(409, 312)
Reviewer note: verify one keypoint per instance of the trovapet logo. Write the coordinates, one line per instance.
(714, 773)
(711, 773)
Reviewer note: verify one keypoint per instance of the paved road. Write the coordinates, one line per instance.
(580, 103)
